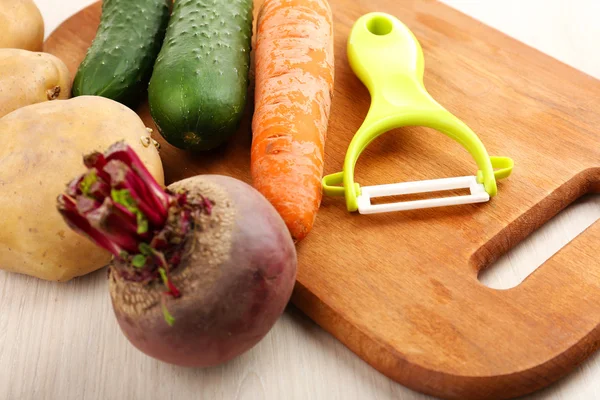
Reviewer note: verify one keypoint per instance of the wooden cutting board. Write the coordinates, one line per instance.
(401, 290)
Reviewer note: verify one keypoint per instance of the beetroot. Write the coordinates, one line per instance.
(201, 270)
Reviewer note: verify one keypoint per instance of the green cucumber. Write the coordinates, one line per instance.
(118, 64)
(198, 89)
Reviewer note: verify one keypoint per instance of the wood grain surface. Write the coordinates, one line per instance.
(401, 290)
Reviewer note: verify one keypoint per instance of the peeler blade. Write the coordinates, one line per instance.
(477, 195)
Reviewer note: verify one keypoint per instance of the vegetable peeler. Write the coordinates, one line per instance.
(387, 57)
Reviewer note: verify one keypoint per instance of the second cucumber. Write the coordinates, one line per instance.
(119, 63)
(198, 89)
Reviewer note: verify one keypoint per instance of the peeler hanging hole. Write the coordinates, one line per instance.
(380, 25)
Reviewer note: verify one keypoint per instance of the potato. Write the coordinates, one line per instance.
(42, 149)
(28, 78)
(21, 25)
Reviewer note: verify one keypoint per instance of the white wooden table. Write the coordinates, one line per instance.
(61, 341)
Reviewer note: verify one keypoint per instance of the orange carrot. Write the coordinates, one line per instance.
(294, 86)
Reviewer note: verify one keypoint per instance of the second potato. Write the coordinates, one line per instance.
(28, 77)
(198, 89)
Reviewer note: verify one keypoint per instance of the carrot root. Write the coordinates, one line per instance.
(294, 86)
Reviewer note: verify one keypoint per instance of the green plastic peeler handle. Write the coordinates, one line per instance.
(386, 56)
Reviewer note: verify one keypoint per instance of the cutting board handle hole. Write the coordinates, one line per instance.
(526, 257)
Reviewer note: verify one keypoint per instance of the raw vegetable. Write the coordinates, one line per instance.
(201, 271)
(294, 84)
(119, 63)
(41, 150)
(28, 78)
(21, 25)
(198, 89)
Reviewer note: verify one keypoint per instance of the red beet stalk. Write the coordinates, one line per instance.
(119, 206)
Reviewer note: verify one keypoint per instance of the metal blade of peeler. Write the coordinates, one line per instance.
(478, 194)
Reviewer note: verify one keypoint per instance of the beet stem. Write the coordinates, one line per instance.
(166, 314)
(77, 222)
(113, 227)
(136, 196)
(173, 291)
(120, 151)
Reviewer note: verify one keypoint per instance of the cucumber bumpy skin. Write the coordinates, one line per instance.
(118, 64)
(198, 89)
